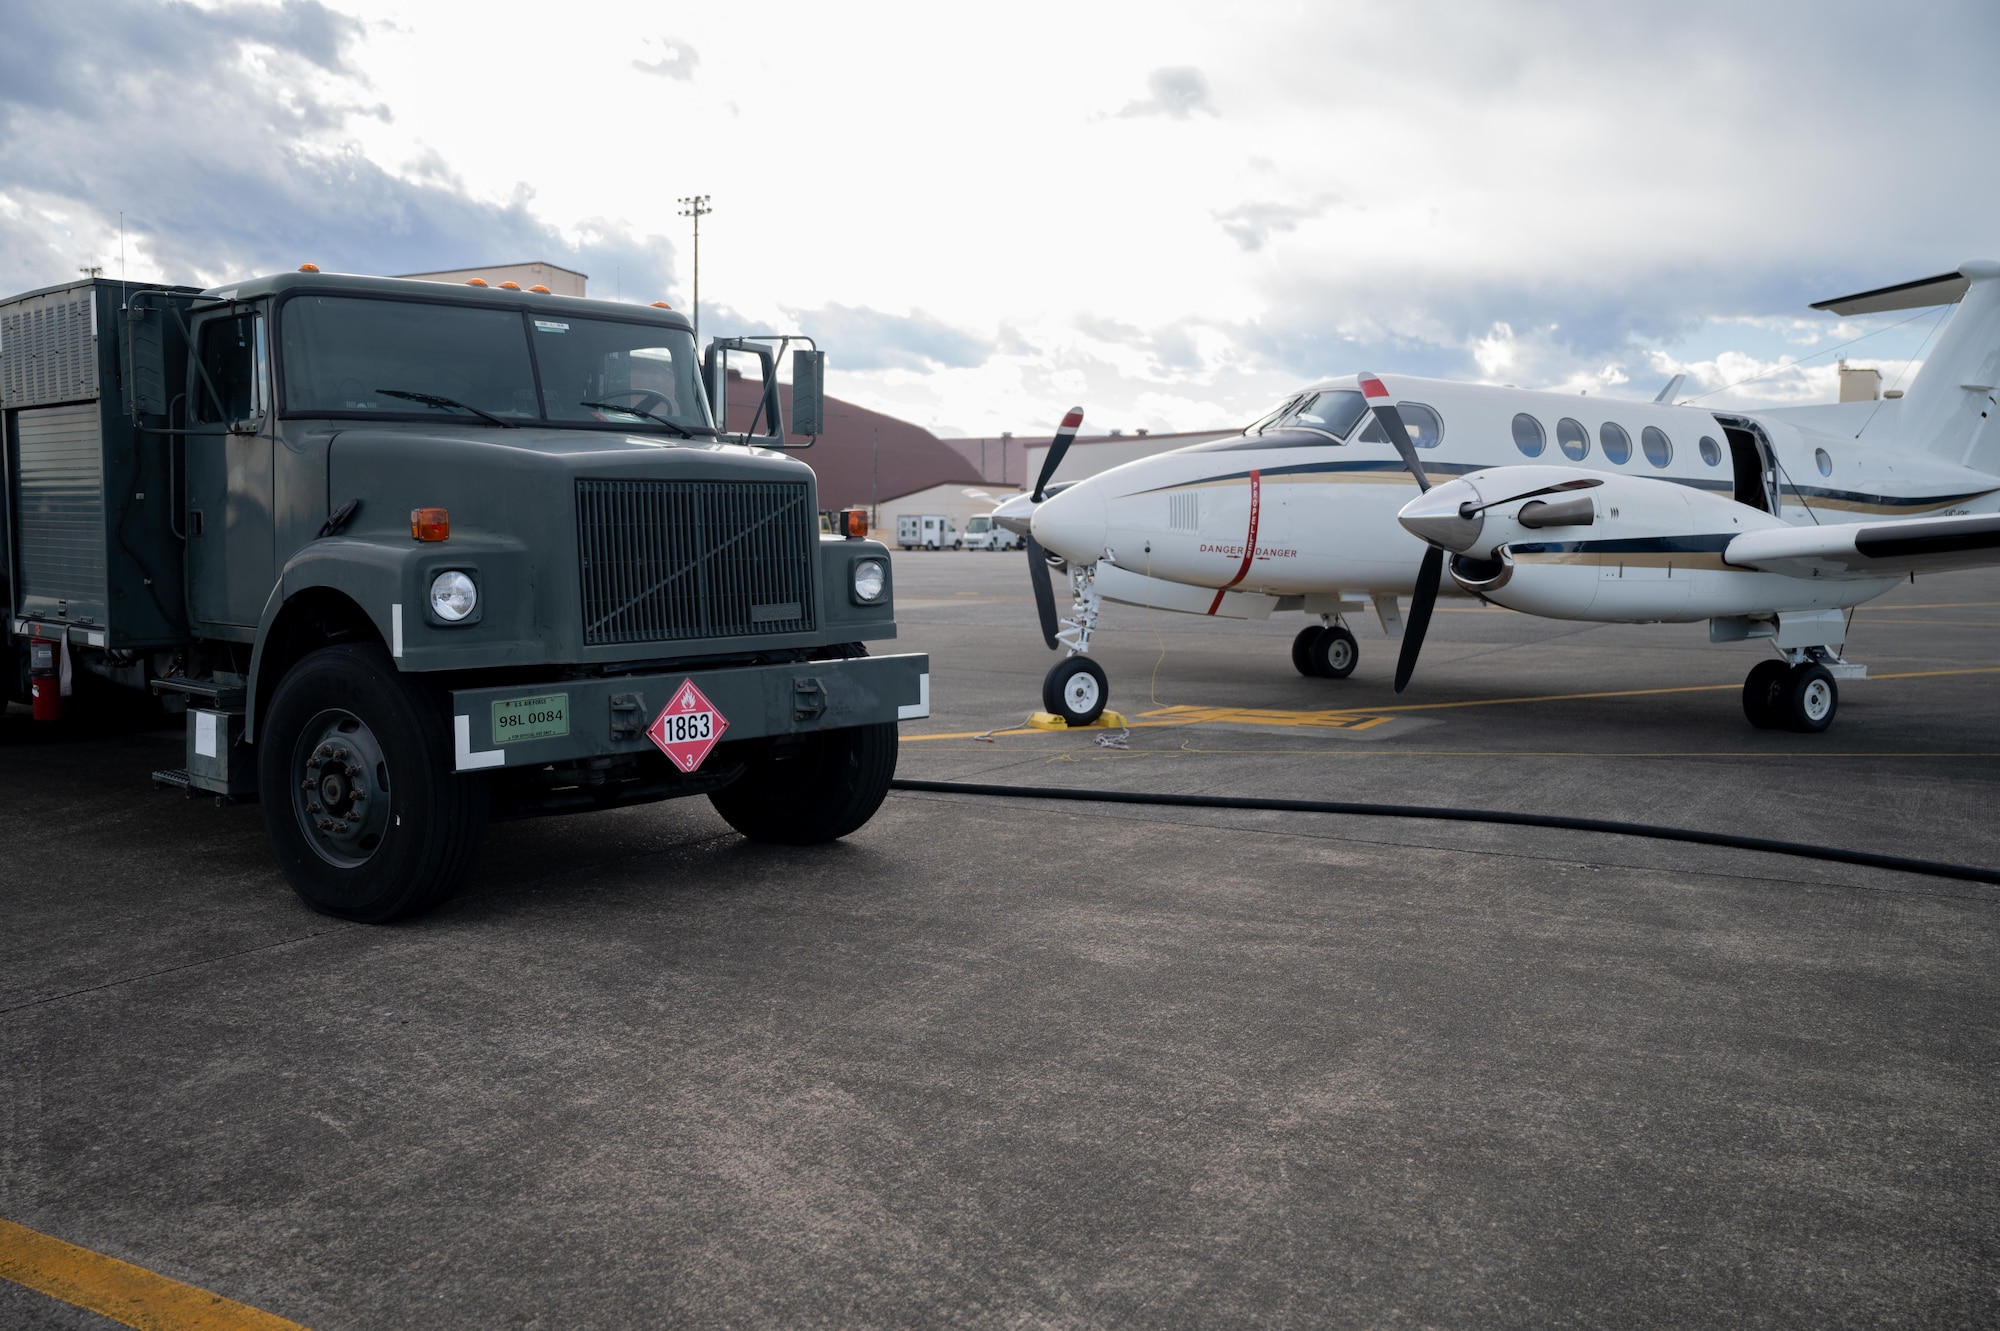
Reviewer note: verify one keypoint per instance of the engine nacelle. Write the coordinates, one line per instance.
(1566, 543)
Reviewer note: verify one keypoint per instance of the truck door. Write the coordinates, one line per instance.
(231, 532)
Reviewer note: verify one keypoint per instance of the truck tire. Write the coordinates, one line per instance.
(366, 816)
(829, 788)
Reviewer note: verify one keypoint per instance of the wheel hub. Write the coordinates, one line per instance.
(342, 796)
(1081, 692)
(1818, 699)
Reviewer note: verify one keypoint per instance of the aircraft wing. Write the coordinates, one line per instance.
(1871, 550)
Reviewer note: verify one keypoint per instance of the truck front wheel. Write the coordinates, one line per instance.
(829, 787)
(363, 809)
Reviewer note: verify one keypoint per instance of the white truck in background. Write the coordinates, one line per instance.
(983, 533)
(926, 532)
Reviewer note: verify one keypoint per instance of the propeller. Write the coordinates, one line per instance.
(1038, 560)
(1432, 569)
(1065, 435)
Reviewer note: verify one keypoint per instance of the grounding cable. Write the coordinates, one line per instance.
(1727, 840)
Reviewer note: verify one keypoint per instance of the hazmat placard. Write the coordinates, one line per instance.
(687, 727)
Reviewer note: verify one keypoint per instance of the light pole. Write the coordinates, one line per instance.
(696, 206)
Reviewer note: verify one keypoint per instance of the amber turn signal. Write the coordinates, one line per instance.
(854, 523)
(430, 524)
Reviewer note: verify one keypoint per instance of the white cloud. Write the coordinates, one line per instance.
(1549, 194)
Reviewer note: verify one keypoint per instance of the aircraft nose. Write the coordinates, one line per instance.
(1072, 523)
(1444, 516)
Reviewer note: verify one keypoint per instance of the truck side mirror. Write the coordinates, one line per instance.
(768, 419)
(809, 393)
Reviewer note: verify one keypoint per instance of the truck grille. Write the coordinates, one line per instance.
(670, 560)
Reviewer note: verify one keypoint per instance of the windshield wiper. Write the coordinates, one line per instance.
(675, 426)
(433, 400)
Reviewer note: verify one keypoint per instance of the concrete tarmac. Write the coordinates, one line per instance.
(1016, 1063)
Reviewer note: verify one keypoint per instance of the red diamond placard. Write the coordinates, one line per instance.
(688, 727)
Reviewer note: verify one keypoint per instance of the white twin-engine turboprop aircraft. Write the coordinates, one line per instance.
(1571, 507)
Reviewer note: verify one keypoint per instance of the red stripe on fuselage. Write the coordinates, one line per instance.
(1249, 546)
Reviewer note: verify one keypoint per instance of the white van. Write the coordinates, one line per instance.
(983, 533)
(928, 532)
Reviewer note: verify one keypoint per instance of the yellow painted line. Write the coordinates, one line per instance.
(1344, 719)
(127, 1294)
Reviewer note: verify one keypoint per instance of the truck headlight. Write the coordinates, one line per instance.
(453, 596)
(869, 580)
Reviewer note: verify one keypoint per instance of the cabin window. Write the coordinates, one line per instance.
(1659, 448)
(1575, 440)
(1426, 427)
(1825, 461)
(1711, 452)
(1528, 435)
(1617, 444)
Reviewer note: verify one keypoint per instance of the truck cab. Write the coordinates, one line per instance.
(413, 555)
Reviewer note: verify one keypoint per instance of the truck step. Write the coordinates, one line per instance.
(174, 778)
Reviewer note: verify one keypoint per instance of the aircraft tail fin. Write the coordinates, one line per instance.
(1952, 408)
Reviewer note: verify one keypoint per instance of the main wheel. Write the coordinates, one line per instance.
(1076, 690)
(827, 789)
(1302, 646)
(366, 816)
(1761, 690)
(1808, 699)
(1334, 653)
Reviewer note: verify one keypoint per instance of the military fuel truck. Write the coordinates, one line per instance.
(412, 556)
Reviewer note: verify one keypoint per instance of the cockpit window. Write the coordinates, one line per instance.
(1335, 412)
(1309, 420)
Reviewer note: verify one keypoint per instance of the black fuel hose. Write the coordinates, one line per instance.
(1728, 840)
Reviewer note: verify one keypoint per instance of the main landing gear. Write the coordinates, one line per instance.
(1791, 695)
(1076, 687)
(1325, 650)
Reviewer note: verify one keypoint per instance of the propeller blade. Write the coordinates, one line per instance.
(1057, 447)
(1420, 614)
(1045, 591)
(1391, 421)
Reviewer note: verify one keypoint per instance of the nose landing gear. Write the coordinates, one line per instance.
(1076, 687)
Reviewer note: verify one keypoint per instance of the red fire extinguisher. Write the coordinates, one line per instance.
(45, 677)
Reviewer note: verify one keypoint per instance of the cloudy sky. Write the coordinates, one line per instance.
(1167, 212)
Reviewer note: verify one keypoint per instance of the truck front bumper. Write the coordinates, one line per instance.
(588, 718)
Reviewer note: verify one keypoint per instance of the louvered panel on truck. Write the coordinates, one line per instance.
(59, 504)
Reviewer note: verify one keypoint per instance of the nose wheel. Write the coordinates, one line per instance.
(1075, 690)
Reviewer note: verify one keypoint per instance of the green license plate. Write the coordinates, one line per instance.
(530, 718)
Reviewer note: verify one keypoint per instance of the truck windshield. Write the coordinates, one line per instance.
(352, 355)
(607, 364)
(341, 352)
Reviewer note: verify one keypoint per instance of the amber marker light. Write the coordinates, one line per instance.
(539, 287)
(661, 305)
(308, 267)
(430, 524)
(475, 281)
(510, 286)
